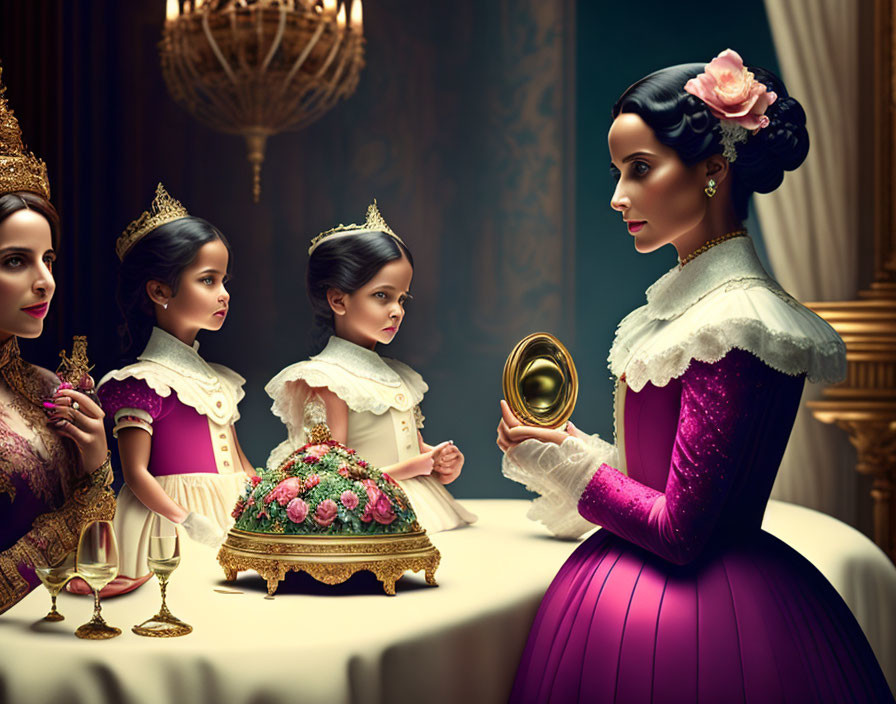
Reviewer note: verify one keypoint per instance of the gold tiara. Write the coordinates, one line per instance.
(164, 209)
(373, 223)
(20, 170)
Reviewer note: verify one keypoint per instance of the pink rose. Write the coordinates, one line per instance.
(343, 470)
(373, 492)
(316, 452)
(326, 512)
(296, 510)
(312, 481)
(285, 491)
(381, 510)
(350, 500)
(371, 487)
(731, 92)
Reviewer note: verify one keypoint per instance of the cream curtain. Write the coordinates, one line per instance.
(809, 224)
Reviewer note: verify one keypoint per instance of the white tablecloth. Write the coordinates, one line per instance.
(458, 642)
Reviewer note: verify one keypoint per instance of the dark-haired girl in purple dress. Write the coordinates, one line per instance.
(681, 597)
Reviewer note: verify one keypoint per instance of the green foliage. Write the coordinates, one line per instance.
(312, 474)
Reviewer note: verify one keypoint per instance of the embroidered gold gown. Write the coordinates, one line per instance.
(45, 497)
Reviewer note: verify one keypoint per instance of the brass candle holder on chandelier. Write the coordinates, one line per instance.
(260, 67)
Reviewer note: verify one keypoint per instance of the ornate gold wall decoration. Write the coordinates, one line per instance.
(864, 405)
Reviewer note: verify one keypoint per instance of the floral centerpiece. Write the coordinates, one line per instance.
(327, 512)
(324, 489)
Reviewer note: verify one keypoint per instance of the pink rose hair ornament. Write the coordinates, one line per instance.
(735, 97)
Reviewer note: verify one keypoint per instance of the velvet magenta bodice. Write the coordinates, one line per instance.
(183, 440)
(701, 453)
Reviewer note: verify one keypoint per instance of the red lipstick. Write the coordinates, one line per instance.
(634, 226)
(38, 310)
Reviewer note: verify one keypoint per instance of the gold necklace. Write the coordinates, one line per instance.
(710, 244)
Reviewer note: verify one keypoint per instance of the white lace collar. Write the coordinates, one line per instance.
(165, 349)
(168, 364)
(683, 286)
(358, 360)
(724, 299)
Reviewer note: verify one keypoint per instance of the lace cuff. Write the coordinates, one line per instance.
(560, 474)
(418, 417)
(131, 418)
(314, 413)
(559, 516)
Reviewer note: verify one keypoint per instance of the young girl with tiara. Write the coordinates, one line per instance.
(173, 412)
(358, 281)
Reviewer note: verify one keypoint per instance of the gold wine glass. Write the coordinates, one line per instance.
(54, 577)
(97, 565)
(163, 557)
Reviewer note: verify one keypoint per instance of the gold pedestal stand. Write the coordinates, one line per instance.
(329, 559)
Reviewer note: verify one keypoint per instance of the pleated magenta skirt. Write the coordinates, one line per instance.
(754, 623)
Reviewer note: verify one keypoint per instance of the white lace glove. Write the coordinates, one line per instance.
(560, 474)
(548, 468)
(560, 517)
(203, 530)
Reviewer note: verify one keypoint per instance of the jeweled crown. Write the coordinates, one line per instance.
(20, 170)
(374, 223)
(164, 209)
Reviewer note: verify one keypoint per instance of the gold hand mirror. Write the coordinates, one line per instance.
(540, 382)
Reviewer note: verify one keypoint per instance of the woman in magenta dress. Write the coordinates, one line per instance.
(173, 412)
(681, 597)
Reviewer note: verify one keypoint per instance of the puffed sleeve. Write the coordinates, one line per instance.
(131, 403)
(725, 411)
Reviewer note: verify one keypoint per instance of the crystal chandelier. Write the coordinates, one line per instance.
(259, 67)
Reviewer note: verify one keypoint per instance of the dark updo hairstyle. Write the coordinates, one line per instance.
(683, 121)
(24, 200)
(162, 255)
(345, 263)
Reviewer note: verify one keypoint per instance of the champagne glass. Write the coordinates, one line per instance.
(163, 556)
(97, 565)
(54, 576)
